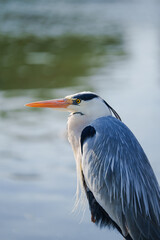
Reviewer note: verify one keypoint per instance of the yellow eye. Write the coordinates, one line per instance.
(78, 100)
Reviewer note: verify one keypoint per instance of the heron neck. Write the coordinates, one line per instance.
(76, 123)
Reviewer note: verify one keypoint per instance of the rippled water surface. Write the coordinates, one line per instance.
(51, 49)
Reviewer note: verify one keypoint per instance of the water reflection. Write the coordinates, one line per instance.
(33, 62)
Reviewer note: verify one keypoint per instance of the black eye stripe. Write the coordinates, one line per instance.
(86, 96)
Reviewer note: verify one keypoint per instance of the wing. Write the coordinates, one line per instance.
(118, 173)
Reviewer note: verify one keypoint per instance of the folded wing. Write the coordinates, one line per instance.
(118, 173)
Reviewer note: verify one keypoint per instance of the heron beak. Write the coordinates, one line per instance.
(55, 103)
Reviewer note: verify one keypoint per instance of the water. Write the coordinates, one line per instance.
(51, 49)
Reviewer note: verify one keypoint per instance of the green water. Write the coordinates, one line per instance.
(32, 62)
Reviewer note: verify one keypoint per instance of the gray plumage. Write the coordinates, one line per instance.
(118, 173)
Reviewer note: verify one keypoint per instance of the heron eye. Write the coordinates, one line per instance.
(78, 100)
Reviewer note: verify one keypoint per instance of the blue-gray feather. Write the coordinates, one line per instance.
(118, 165)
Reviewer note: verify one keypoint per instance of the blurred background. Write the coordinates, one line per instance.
(50, 49)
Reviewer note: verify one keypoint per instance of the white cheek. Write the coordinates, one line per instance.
(92, 109)
(75, 108)
(96, 109)
(71, 108)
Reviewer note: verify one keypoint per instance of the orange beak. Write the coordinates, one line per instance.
(56, 103)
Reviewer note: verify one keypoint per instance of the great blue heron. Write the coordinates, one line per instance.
(112, 167)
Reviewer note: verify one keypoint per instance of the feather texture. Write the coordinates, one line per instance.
(118, 173)
(98, 214)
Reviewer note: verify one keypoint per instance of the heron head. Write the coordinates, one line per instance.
(86, 103)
